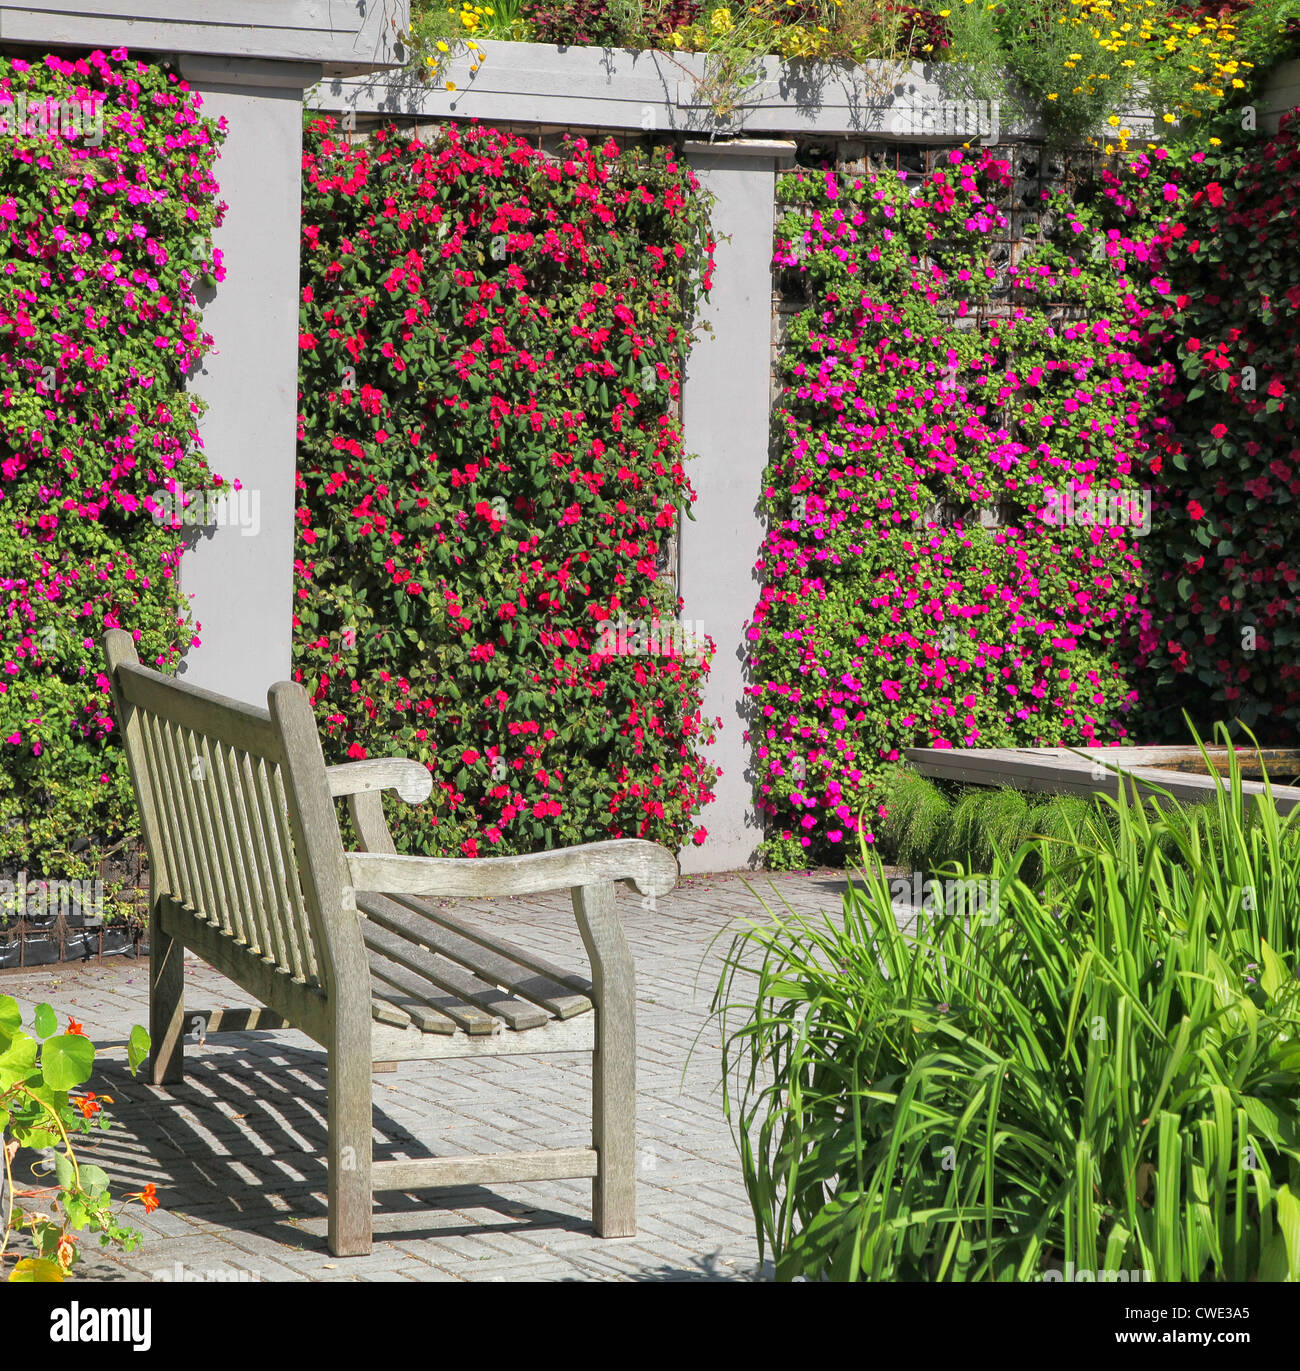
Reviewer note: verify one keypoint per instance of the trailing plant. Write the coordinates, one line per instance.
(490, 471)
(107, 203)
(43, 1108)
(1099, 1078)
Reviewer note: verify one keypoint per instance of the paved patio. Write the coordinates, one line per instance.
(237, 1152)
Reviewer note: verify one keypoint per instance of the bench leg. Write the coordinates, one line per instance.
(613, 1064)
(350, 1120)
(166, 1006)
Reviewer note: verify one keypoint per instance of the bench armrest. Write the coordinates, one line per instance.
(409, 779)
(647, 866)
(364, 783)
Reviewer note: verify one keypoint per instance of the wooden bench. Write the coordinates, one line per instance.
(248, 870)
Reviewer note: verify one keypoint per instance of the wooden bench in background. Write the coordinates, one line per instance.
(248, 871)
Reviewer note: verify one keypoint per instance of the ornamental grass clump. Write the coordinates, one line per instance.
(1098, 1078)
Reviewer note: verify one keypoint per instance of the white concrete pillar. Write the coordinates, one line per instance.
(241, 580)
(725, 401)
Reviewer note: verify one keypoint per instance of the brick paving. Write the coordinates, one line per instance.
(237, 1151)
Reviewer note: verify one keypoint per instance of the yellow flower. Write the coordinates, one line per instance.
(442, 47)
(1216, 142)
(1168, 118)
(451, 85)
(1052, 96)
(1113, 121)
(943, 14)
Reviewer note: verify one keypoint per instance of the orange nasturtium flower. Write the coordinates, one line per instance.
(89, 1105)
(65, 1251)
(75, 1027)
(147, 1197)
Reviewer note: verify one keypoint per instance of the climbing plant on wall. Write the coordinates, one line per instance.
(490, 471)
(954, 508)
(107, 203)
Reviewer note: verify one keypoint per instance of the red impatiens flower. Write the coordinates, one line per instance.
(1195, 509)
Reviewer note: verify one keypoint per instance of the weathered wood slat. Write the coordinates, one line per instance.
(417, 1006)
(447, 976)
(232, 900)
(534, 962)
(184, 883)
(492, 1168)
(299, 920)
(469, 1018)
(411, 1045)
(386, 1012)
(266, 844)
(232, 857)
(489, 966)
(171, 880)
(236, 724)
(237, 768)
(653, 870)
(408, 778)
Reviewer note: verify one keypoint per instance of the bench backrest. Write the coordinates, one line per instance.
(237, 817)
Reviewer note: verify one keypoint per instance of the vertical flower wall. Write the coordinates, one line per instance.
(490, 472)
(955, 414)
(107, 203)
(1223, 246)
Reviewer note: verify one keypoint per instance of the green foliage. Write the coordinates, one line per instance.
(43, 1107)
(1101, 1077)
(1222, 562)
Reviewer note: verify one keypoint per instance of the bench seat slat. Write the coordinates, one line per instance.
(448, 976)
(385, 1012)
(511, 971)
(426, 1018)
(468, 1017)
(426, 909)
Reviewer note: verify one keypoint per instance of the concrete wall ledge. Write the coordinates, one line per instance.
(618, 88)
(345, 37)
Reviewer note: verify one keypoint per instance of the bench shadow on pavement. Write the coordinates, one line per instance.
(240, 1145)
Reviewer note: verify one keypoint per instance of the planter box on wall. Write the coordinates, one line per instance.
(615, 88)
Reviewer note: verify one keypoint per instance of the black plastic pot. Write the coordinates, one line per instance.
(118, 942)
(41, 949)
